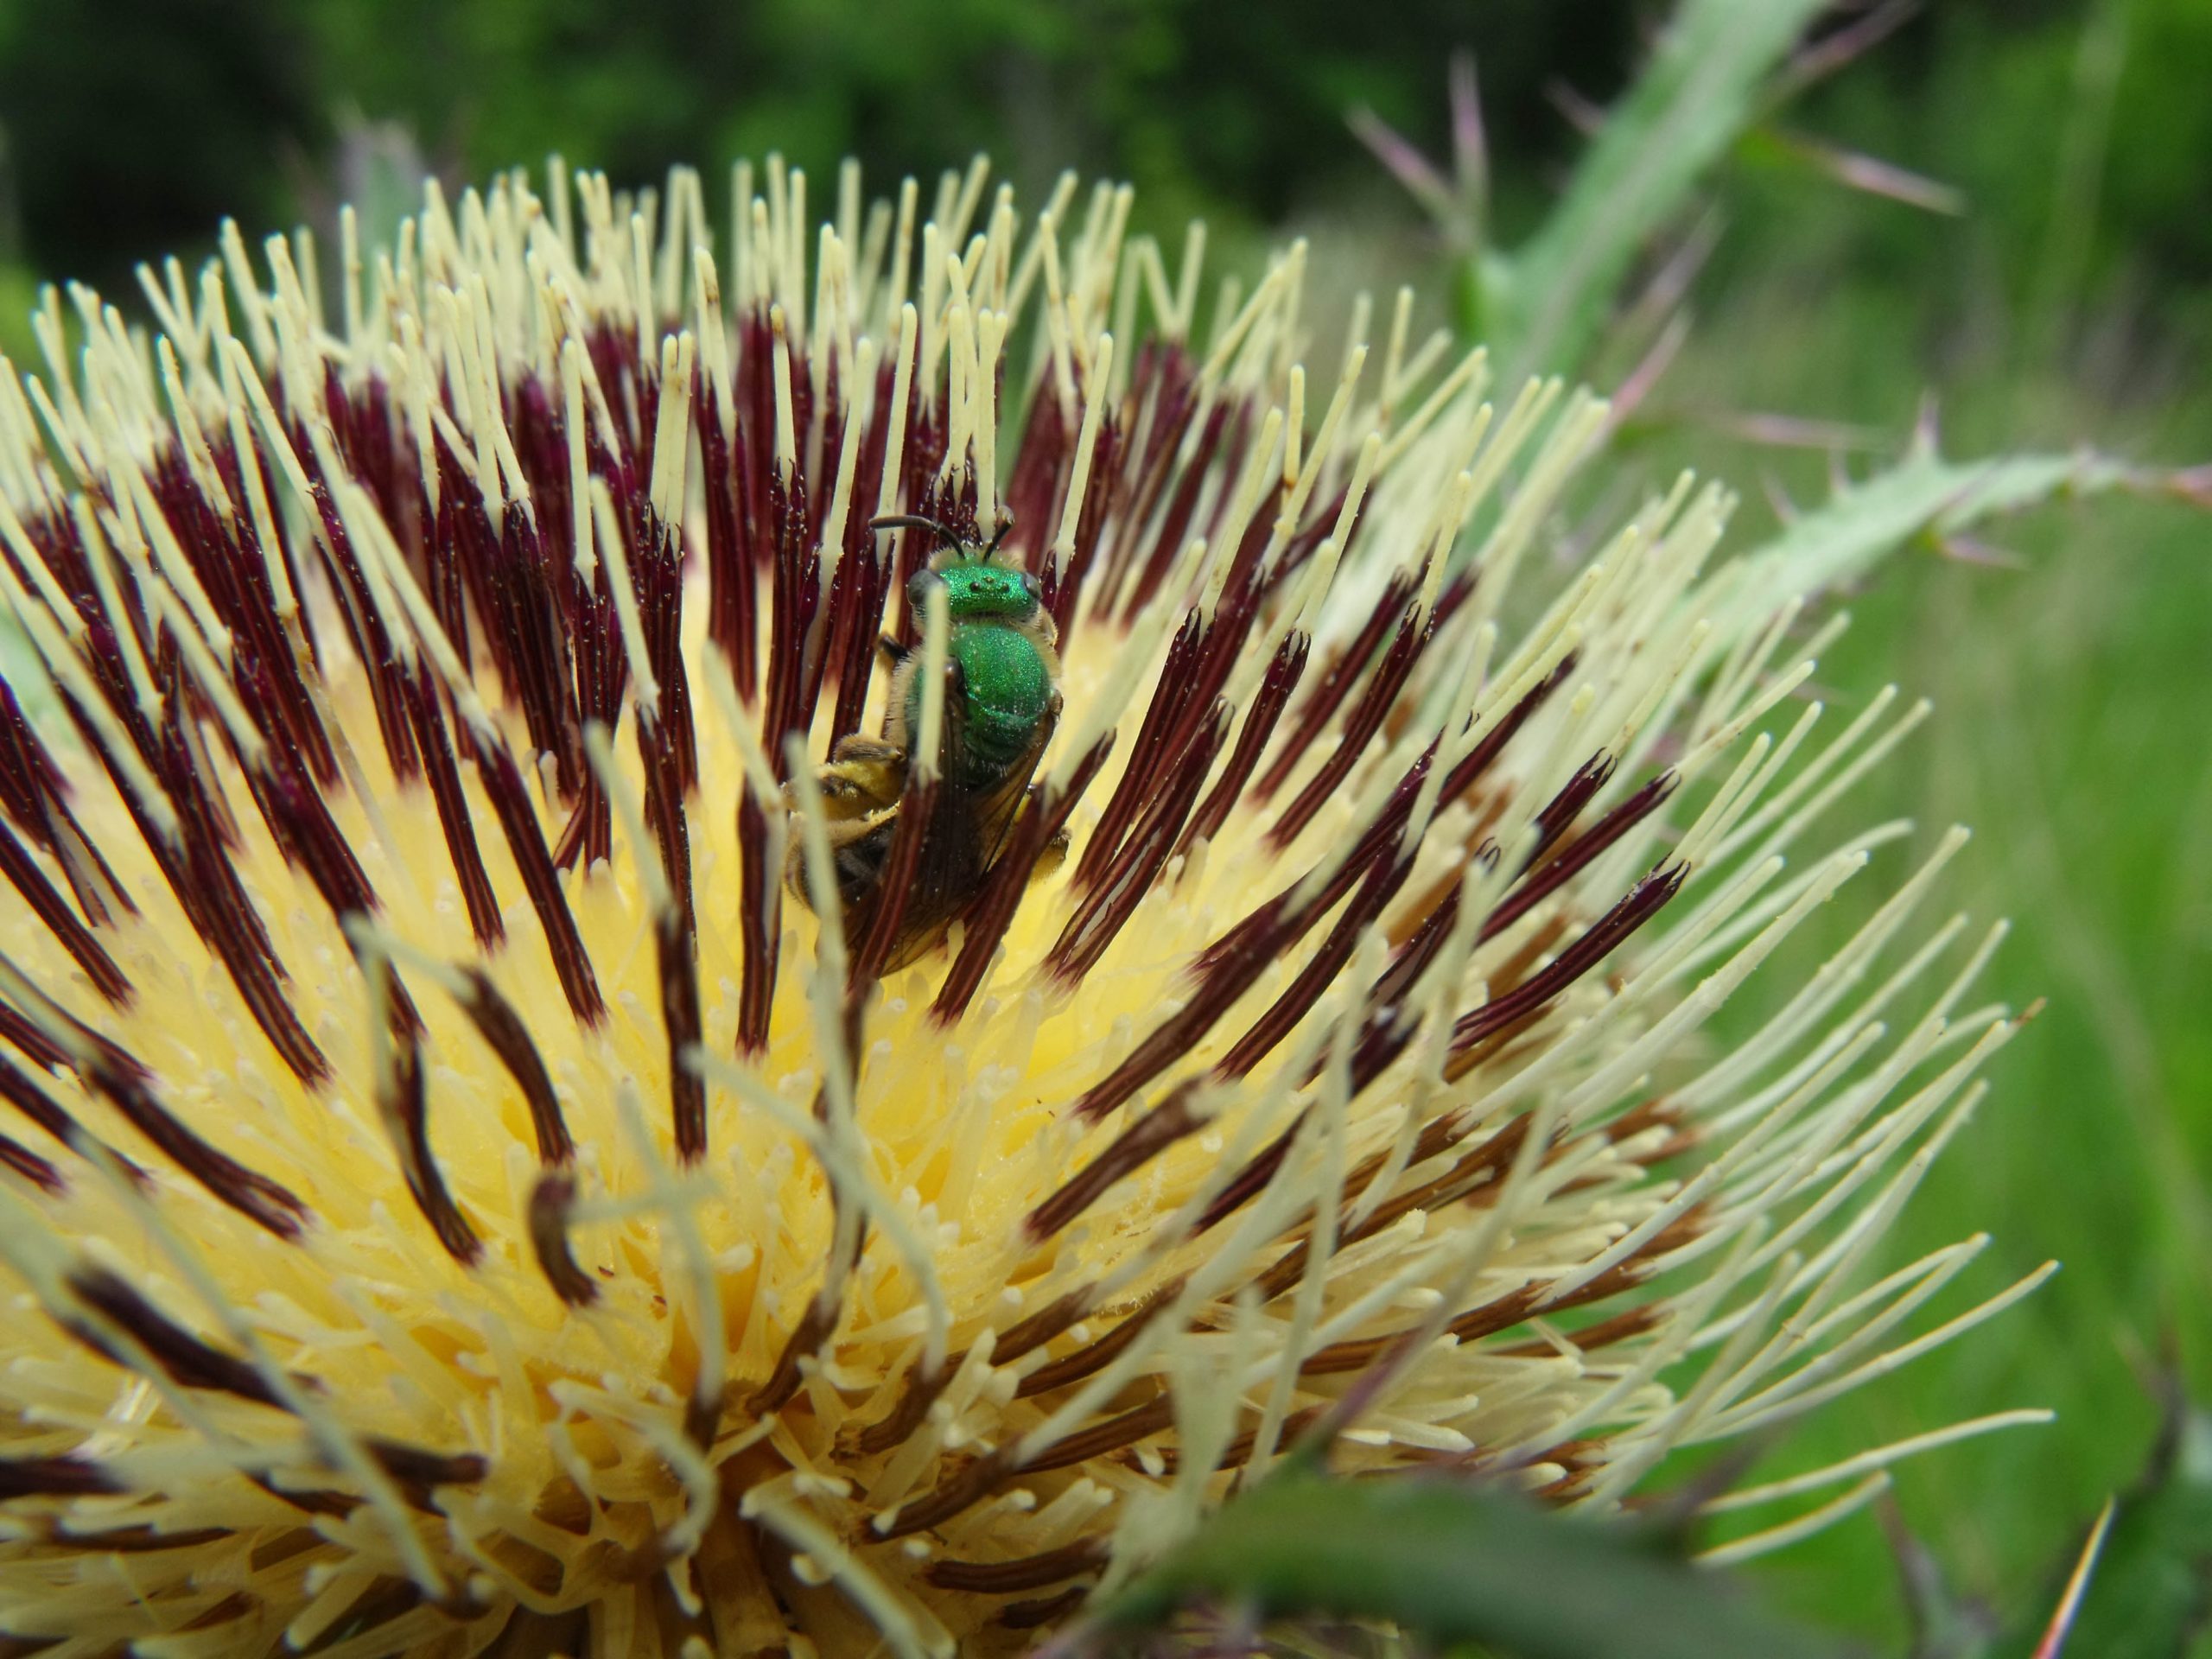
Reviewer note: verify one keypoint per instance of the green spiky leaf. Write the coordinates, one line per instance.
(2150, 1590)
(1544, 307)
(1840, 541)
(1456, 1562)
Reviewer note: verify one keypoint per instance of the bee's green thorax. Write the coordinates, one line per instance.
(1008, 689)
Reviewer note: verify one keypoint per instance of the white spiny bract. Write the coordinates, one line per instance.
(456, 1203)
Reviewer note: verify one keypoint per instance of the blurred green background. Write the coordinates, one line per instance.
(2055, 291)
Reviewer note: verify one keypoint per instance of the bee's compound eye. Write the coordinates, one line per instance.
(1034, 587)
(918, 589)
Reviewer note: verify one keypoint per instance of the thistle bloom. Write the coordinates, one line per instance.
(457, 1202)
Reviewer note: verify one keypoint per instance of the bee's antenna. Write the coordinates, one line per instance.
(916, 521)
(998, 536)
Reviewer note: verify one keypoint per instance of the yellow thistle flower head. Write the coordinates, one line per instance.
(549, 1111)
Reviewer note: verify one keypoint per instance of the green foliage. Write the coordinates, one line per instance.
(2139, 1587)
(2151, 1590)
(2070, 707)
(1545, 305)
(1455, 1562)
(1839, 543)
(181, 110)
(149, 120)
(18, 298)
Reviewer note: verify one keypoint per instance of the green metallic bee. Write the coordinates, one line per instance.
(1001, 705)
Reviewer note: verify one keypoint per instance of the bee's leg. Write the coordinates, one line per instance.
(864, 776)
(857, 748)
(842, 796)
(861, 859)
(858, 846)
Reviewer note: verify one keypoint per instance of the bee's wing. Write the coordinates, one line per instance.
(995, 809)
(967, 830)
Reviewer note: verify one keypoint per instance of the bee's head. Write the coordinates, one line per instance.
(979, 588)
